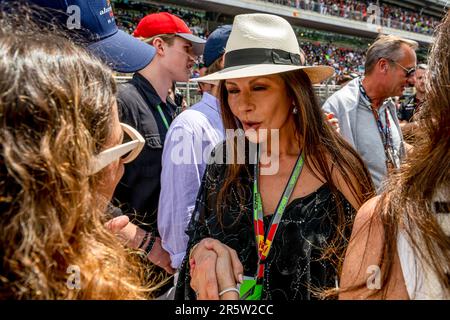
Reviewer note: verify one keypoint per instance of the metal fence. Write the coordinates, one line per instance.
(192, 95)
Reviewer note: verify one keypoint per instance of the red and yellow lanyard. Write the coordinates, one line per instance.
(264, 241)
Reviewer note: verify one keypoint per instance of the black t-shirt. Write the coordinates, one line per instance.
(139, 188)
(408, 108)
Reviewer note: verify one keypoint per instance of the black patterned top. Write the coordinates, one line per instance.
(294, 262)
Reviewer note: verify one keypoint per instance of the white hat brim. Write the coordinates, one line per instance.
(316, 74)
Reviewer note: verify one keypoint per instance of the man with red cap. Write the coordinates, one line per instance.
(144, 104)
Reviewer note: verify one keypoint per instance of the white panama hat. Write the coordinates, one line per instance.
(263, 44)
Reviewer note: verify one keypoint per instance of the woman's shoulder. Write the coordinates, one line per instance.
(346, 183)
(367, 214)
(368, 230)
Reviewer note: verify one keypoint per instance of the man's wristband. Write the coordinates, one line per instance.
(150, 245)
(144, 239)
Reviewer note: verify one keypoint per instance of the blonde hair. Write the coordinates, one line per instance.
(55, 114)
(167, 38)
(215, 66)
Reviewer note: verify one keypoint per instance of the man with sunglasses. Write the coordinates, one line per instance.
(365, 110)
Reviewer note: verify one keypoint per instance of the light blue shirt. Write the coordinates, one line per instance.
(189, 142)
(368, 141)
(358, 126)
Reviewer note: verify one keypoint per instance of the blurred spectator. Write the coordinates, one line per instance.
(411, 105)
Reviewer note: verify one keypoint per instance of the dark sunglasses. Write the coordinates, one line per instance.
(408, 72)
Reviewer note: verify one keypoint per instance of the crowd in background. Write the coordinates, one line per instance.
(129, 14)
(390, 16)
(347, 61)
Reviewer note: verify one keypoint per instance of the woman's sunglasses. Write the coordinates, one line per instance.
(127, 151)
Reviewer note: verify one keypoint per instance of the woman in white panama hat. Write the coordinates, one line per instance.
(285, 212)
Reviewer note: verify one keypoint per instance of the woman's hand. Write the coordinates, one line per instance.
(214, 268)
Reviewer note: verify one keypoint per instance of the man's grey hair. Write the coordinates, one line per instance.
(388, 47)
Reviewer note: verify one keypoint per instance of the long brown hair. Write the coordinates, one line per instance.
(55, 114)
(321, 145)
(407, 202)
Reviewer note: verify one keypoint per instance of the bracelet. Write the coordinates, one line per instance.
(228, 290)
(144, 239)
(149, 246)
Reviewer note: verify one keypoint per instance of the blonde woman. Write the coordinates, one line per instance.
(62, 152)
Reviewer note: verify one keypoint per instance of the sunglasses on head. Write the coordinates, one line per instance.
(408, 72)
(127, 151)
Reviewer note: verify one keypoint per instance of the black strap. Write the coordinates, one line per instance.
(261, 56)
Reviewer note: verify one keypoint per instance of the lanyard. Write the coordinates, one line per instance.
(385, 133)
(264, 241)
(386, 138)
(161, 113)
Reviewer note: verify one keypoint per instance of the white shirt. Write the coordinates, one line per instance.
(422, 283)
(189, 142)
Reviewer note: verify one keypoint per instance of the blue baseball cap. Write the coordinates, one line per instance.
(97, 26)
(215, 44)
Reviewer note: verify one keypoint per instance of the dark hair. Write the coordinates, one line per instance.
(321, 145)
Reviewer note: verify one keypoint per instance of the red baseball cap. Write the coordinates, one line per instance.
(165, 23)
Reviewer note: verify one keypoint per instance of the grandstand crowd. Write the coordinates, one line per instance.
(390, 16)
(348, 61)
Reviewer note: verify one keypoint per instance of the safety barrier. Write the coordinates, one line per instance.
(191, 93)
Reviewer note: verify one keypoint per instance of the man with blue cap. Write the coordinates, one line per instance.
(92, 23)
(201, 129)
